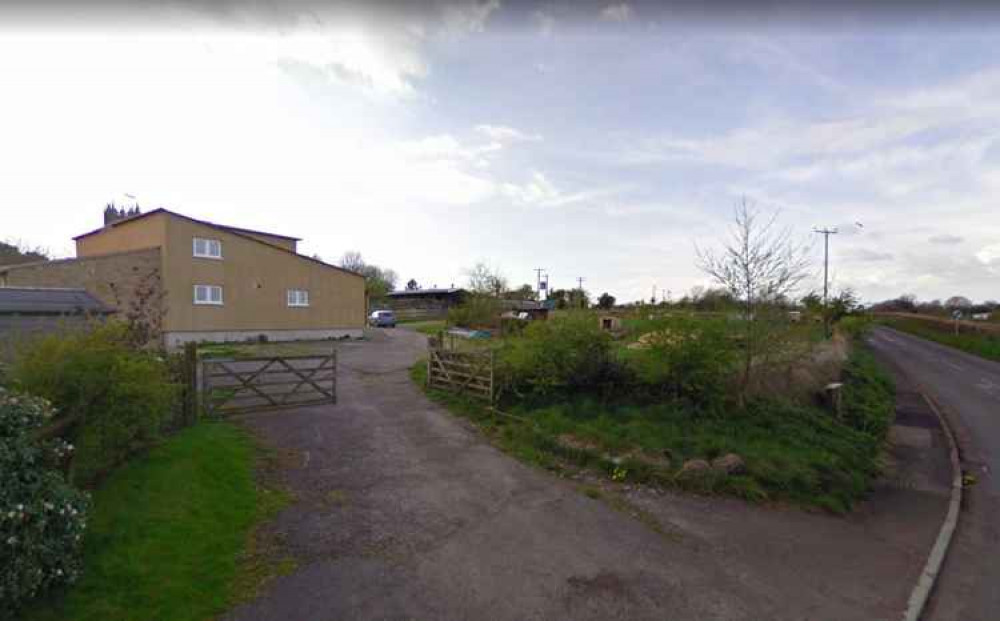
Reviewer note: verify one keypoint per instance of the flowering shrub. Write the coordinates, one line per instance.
(42, 518)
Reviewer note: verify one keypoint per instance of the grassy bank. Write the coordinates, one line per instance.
(792, 452)
(168, 533)
(979, 344)
(428, 327)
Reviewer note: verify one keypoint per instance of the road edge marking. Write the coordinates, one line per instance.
(928, 578)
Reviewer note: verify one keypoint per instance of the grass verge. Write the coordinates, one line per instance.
(983, 345)
(430, 327)
(793, 453)
(171, 534)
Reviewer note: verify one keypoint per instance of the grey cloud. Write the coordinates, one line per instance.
(946, 239)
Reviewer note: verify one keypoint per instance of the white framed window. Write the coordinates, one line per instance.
(207, 248)
(298, 297)
(208, 294)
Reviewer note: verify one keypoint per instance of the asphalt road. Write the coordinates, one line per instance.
(967, 388)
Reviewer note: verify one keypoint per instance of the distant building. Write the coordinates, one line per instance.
(424, 303)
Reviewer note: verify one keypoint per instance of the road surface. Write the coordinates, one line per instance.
(402, 511)
(967, 388)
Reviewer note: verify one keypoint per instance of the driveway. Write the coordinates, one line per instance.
(968, 389)
(404, 512)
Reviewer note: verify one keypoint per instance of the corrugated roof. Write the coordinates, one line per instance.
(419, 292)
(39, 301)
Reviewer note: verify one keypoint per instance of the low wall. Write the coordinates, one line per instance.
(176, 339)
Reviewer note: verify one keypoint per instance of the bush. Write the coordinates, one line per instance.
(564, 354)
(123, 396)
(42, 518)
(478, 311)
(690, 359)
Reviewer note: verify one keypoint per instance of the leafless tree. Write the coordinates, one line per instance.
(760, 263)
(485, 280)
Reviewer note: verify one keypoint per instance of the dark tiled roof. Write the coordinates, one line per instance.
(38, 301)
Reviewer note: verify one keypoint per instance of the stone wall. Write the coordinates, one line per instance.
(114, 279)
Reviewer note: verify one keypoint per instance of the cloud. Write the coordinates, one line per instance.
(988, 255)
(469, 17)
(505, 134)
(870, 256)
(539, 191)
(617, 12)
(545, 21)
(946, 239)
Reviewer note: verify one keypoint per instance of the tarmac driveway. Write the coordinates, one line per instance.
(403, 512)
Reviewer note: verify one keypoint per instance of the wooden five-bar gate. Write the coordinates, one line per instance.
(237, 386)
(468, 372)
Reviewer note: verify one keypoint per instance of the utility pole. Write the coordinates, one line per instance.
(652, 300)
(579, 285)
(826, 233)
(538, 281)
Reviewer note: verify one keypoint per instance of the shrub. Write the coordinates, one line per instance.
(690, 359)
(122, 395)
(42, 518)
(568, 353)
(476, 311)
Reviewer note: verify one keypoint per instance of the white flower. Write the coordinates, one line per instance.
(11, 540)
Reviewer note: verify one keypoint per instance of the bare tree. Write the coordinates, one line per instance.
(760, 264)
(485, 280)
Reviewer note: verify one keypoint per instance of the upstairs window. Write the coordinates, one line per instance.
(208, 294)
(207, 248)
(298, 297)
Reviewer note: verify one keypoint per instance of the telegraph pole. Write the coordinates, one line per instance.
(826, 233)
(579, 285)
(538, 281)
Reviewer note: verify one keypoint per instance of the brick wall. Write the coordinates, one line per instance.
(112, 278)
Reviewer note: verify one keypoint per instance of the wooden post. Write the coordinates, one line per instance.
(430, 355)
(206, 397)
(190, 383)
(492, 365)
(333, 391)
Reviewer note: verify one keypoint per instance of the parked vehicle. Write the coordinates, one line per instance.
(382, 319)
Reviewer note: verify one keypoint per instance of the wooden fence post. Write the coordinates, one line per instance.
(190, 383)
(333, 379)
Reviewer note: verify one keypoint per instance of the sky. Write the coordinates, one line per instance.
(602, 140)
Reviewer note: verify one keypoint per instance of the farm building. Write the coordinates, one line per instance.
(424, 303)
(210, 282)
(31, 311)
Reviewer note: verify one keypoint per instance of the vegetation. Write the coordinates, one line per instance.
(378, 281)
(479, 310)
(984, 344)
(572, 396)
(428, 327)
(14, 252)
(41, 517)
(760, 265)
(119, 396)
(168, 531)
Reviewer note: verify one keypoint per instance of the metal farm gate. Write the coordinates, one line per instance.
(239, 386)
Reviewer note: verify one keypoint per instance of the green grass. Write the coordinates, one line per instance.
(793, 453)
(426, 327)
(169, 533)
(979, 344)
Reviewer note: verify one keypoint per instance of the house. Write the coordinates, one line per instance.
(30, 311)
(209, 282)
(424, 303)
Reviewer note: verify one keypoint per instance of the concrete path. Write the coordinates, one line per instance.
(403, 512)
(968, 390)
